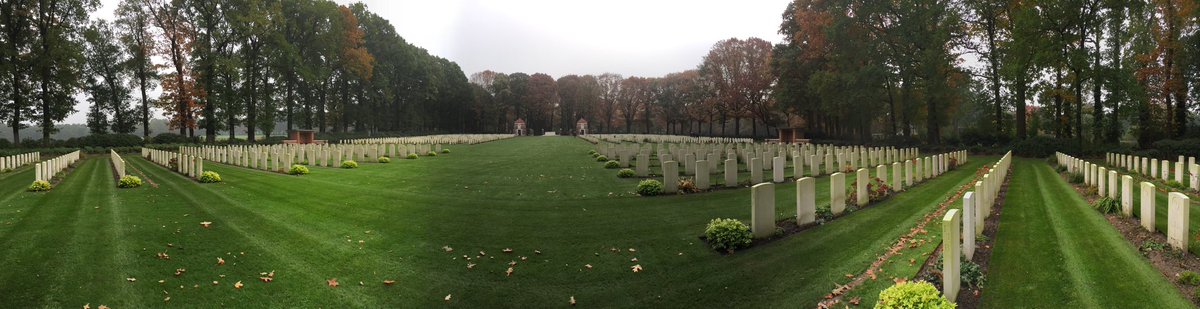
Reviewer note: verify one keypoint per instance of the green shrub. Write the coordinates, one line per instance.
(625, 173)
(349, 164)
(727, 234)
(385, 160)
(431, 154)
(1176, 184)
(412, 156)
(298, 170)
(649, 187)
(1151, 245)
(824, 214)
(601, 158)
(210, 177)
(969, 273)
(1189, 278)
(918, 294)
(39, 186)
(129, 181)
(612, 164)
(1107, 205)
(592, 152)
(446, 150)
(1076, 178)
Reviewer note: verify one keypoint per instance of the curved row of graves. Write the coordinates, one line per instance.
(762, 200)
(659, 138)
(187, 165)
(8, 163)
(762, 161)
(1109, 183)
(959, 227)
(1185, 173)
(447, 139)
(47, 170)
(279, 158)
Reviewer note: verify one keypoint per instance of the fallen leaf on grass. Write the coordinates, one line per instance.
(179, 271)
(389, 282)
(87, 306)
(589, 266)
(447, 248)
(266, 279)
(205, 224)
(850, 276)
(102, 307)
(636, 268)
(572, 300)
(238, 285)
(332, 282)
(131, 279)
(855, 300)
(507, 250)
(447, 297)
(470, 265)
(509, 272)
(220, 261)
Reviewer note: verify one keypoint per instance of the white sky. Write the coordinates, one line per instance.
(560, 37)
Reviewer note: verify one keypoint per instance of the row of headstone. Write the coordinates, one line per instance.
(1178, 204)
(659, 138)
(187, 165)
(15, 161)
(46, 170)
(280, 158)
(1185, 172)
(959, 227)
(762, 201)
(447, 139)
(117, 162)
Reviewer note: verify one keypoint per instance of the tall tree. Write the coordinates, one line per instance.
(176, 34)
(106, 78)
(58, 58)
(18, 38)
(133, 25)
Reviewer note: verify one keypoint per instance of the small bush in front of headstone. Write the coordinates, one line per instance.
(349, 164)
(649, 187)
(1189, 278)
(1106, 205)
(39, 186)
(919, 294)
(447, 150)
(1076, 178)
(413, 156)
(129, 181)
(1176, 184)
(385, 160)
(969, 273)
(625, 173)
(210, 177)
(298, 170)
(592, 152)
(612, 164)
(601, 158)
(727, 235)
(824, 214)
(431, 153)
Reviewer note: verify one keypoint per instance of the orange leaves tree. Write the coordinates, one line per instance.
(178, 99)
(740, 75)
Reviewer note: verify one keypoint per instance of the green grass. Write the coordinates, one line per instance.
(78, 243)
(1161, 208)
(1053, 251)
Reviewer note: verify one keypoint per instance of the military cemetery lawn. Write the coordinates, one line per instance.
(574, 230)
(521, 222)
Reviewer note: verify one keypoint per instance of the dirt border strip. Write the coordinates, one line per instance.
(835, 296)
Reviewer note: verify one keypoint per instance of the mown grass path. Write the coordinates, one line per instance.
(80, 242)
(1053, 251)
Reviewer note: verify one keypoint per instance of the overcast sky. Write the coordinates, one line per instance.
(629, 37)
